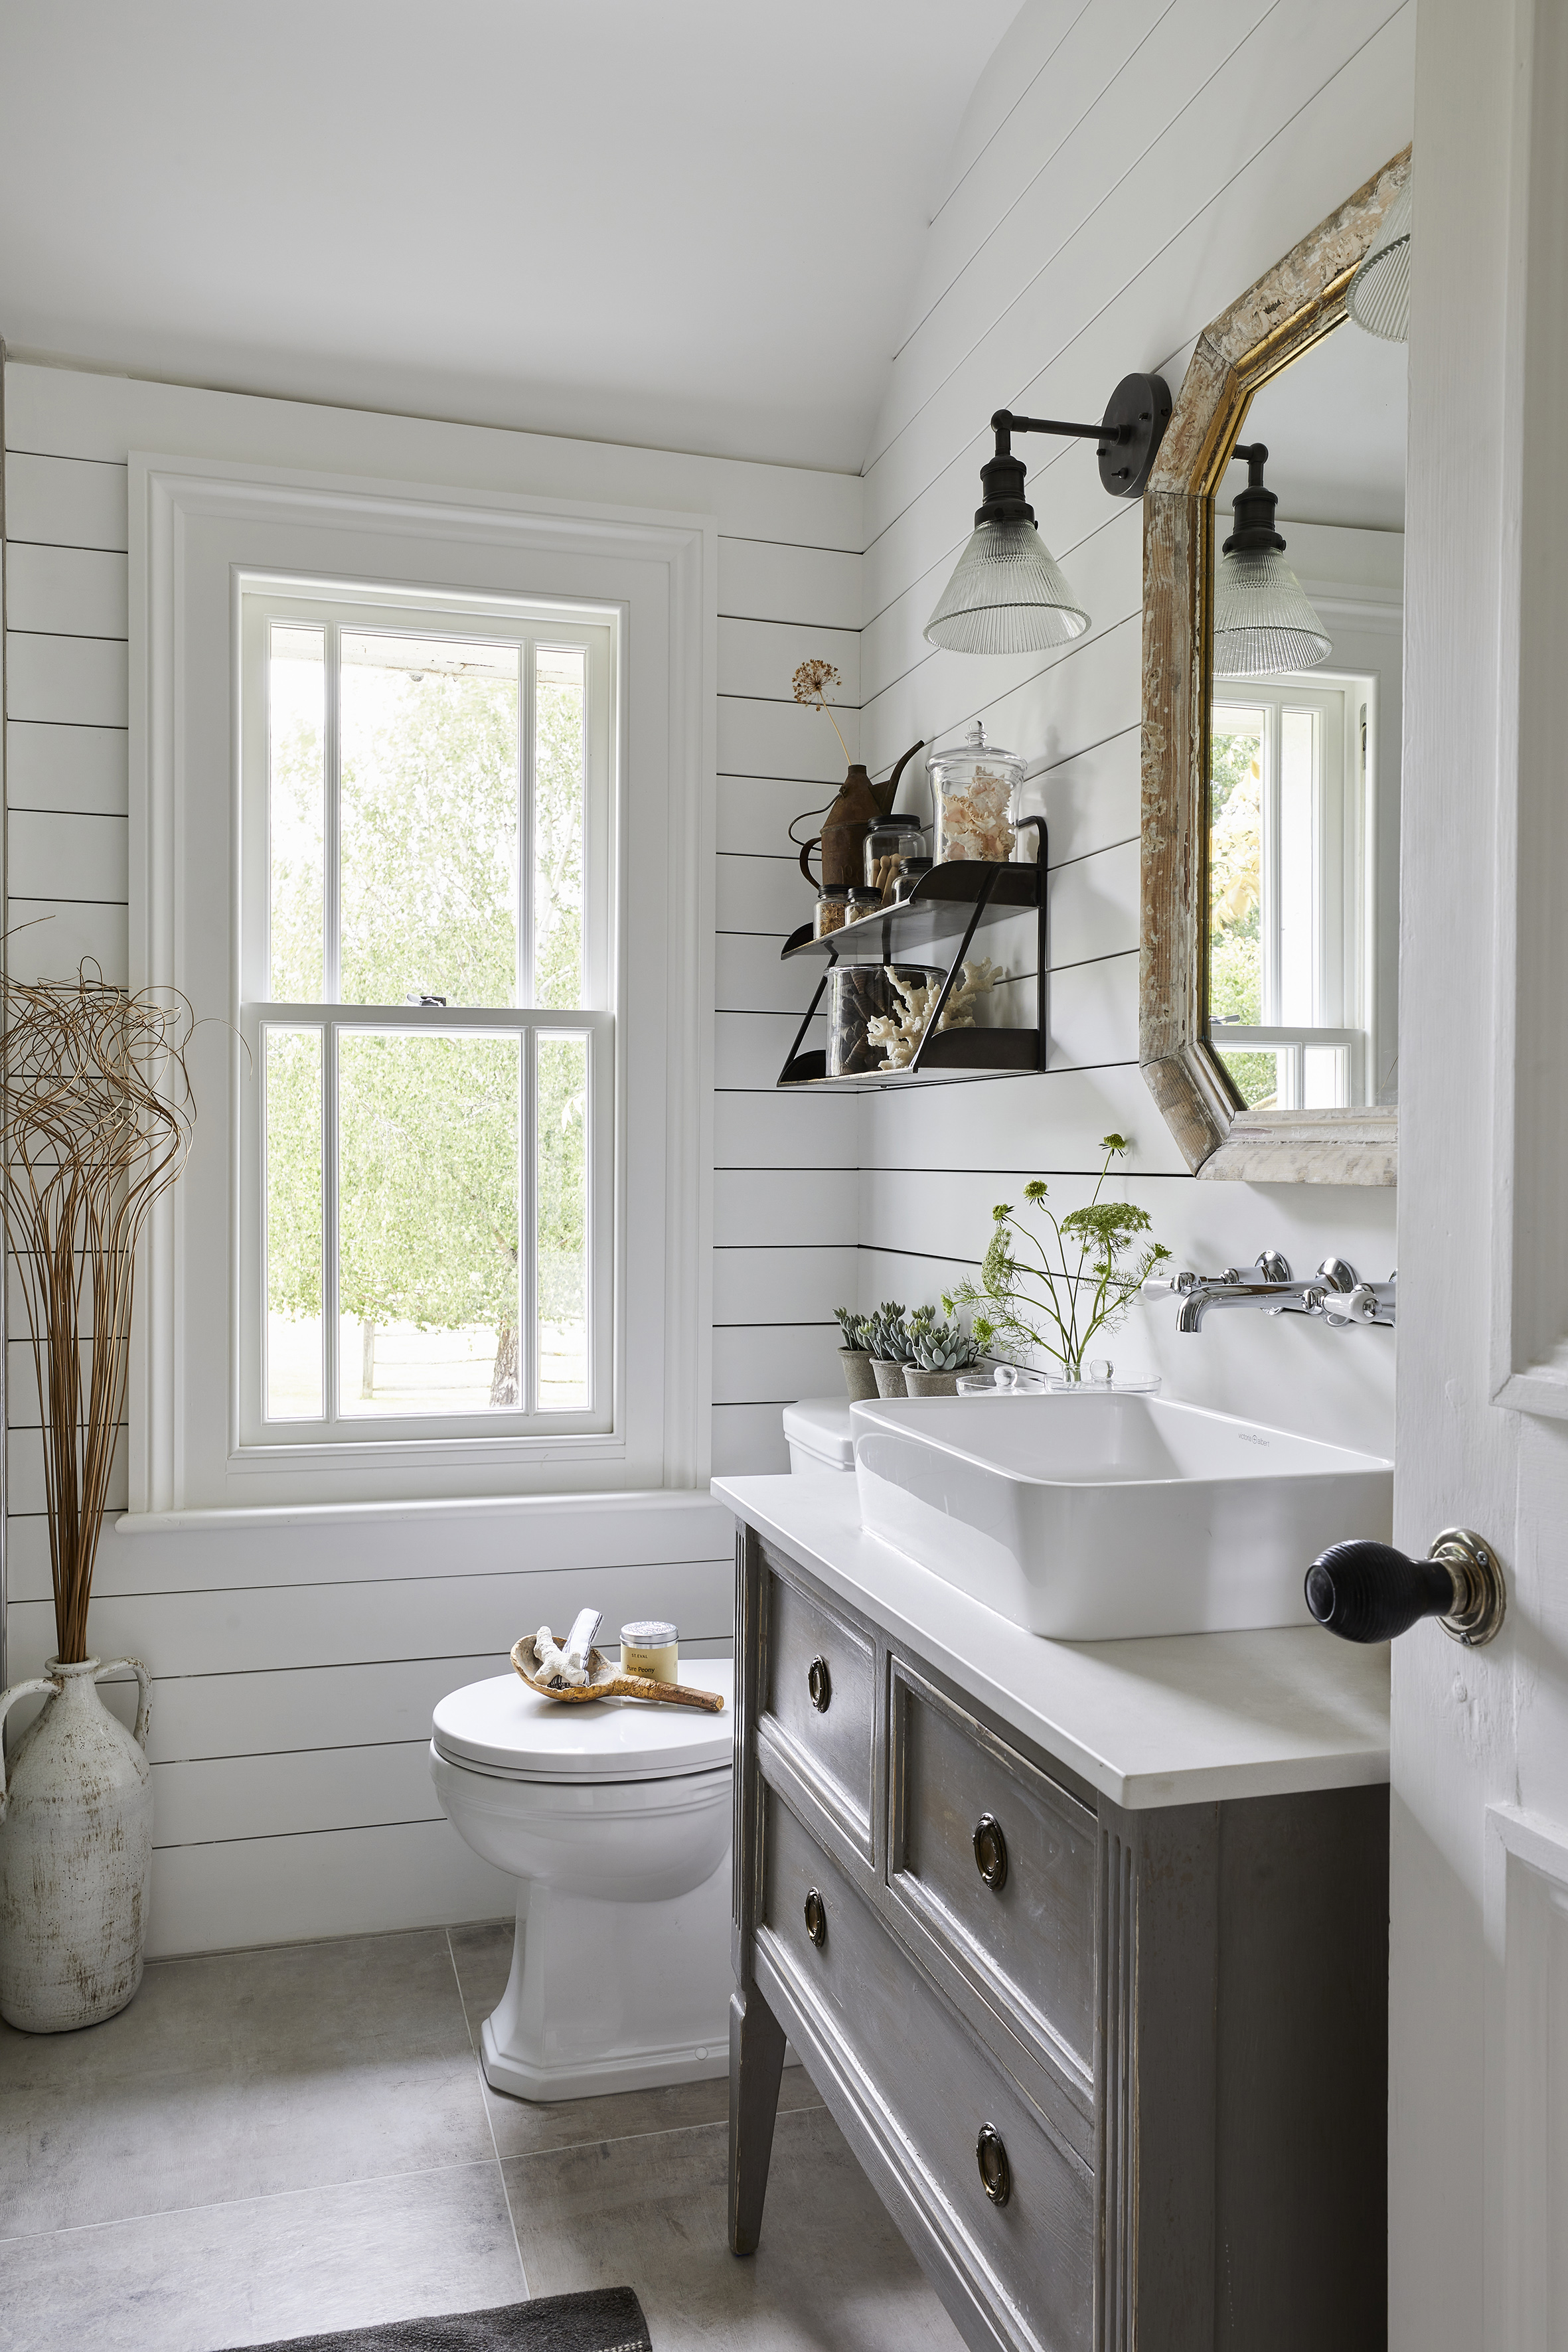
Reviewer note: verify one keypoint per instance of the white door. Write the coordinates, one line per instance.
(1479, 1980)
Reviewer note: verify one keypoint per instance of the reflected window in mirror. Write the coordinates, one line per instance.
(1290, 977)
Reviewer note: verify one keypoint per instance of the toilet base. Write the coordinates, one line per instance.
(607, 1996)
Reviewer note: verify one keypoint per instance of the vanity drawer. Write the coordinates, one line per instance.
(936, 2092)
(997, 1864)
(819, 1697)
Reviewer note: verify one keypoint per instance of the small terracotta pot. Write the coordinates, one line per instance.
(858, 1377)
(919, 1383)
(890, 1378)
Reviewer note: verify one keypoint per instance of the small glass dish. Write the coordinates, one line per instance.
(1100, 1380)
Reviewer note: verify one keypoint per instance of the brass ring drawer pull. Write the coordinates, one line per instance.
(819, 1683)
(990, 1851)
(815, 1919)
(996, 2172)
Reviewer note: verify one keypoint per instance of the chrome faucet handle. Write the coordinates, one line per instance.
(1171, 1285)
(1336, 1274)
(1364, 1304)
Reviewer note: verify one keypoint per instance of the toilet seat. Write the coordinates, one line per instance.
(501, 1728)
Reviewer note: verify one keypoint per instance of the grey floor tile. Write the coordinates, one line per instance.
(524, 2127)
(279, 2267)
(240, 2075)
(832, 2273)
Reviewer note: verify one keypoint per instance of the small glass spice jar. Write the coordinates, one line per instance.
(908, 873)
(889, 841)
(832, 909)
(864, 902)
(974, 794)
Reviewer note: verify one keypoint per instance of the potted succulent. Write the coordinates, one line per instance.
(1056, 1293)
(943, 1351)
(887, 1338)
(855, 1355)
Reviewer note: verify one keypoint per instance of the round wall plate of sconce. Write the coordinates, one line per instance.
(1133, 426)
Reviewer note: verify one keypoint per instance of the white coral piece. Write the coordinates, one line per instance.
(899, 1034)
(554, 1664)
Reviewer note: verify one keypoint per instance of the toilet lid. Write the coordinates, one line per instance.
(504, 1727)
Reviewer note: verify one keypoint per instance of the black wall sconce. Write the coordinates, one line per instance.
(1263, 622)
(1008, 593)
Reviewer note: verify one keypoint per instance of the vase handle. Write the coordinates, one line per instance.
(144, 1703)
(7, 1701)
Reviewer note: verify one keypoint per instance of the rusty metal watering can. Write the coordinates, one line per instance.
(846, 824)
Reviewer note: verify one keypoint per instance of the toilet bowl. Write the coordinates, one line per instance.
(615, 1816)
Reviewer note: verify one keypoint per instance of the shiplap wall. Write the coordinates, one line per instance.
(1123, 172)
(296, 1662)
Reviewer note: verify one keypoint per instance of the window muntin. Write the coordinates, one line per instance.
(1289, 817)
(426, 1225)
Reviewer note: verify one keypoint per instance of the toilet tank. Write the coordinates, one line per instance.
(818, 1432)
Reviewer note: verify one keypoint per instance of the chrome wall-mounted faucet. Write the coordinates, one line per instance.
(1335, 1295)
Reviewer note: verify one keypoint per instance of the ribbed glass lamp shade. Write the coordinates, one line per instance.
(1262, 620)
(1378, 297)
(1007, 595)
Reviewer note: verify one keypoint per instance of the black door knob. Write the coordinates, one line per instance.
(1367, 1591)
(819, 1683)
(815, 1919)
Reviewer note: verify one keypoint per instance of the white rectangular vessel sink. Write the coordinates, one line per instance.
(1090, 1517)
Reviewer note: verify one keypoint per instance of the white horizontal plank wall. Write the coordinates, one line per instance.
(296, 1662)
(1123, 172)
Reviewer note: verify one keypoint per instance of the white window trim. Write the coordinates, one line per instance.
(195, 526)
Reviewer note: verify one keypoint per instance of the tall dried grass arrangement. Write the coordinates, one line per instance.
(98, 1113)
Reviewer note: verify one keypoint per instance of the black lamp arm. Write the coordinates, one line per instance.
(1004, 424)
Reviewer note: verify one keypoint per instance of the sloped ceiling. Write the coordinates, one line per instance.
(692, 224)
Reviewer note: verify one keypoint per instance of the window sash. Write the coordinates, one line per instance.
(334, 1427)
(530, 626)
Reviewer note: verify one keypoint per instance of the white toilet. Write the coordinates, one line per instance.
(616, 1817)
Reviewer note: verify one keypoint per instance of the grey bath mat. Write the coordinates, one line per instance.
(606, 2319)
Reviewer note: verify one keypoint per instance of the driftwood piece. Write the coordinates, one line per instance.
(606, 1681)
(1290, 307)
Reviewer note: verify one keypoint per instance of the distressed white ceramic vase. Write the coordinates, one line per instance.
(76, 1853)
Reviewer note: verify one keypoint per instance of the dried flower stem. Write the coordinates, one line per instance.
(811, 682)
(97, 1106)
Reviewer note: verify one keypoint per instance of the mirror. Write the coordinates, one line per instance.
(1272, 727)
(1303, 833)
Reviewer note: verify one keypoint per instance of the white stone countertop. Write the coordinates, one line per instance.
(1175, 1719)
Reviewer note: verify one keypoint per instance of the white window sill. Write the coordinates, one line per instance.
(533, 1506)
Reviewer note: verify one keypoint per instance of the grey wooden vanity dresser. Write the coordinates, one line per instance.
(1118, 2076)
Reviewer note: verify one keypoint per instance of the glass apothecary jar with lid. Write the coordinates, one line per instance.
(974, 792)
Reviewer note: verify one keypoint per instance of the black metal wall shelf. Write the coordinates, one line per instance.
(946, 909)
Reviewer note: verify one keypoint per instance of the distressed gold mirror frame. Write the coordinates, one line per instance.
(1298, 302)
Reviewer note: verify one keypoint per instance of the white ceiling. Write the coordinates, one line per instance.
(690, 224)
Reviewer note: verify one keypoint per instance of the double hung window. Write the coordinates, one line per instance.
(1291, 970)
(428, 888)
